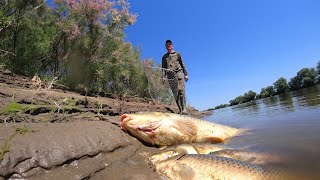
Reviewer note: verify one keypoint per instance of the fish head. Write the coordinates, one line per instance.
(161, 129)
(174, 169)
(154, 159)
(170, 152)
(142, 125)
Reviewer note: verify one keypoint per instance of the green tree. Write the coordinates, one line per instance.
(308, 81)
(306, 77)
(318, 67)
(93, 43)
(219, 107)
(294, 83)
(246, 97)
(318, 73)
(281, 86)
(249, 96)
(258, 96)
(25, 38)
(237, 100)
(81, 42)
(267, 92)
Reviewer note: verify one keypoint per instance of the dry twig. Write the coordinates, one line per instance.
(5, 53)
(58, 105)
(52, 82)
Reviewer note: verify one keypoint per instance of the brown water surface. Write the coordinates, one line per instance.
(287, 126)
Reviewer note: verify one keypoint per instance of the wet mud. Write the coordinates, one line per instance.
(50, 132)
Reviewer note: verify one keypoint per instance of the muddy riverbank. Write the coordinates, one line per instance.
(48, 132)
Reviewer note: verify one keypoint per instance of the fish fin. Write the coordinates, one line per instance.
(185, 171)
(243, 132)
(187, 151)
(161, 148)
(186, 127)
(196, 150)
(181, 151)
(213, 140)
(248, 147)
(250, 160)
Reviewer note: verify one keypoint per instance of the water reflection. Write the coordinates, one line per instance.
(307, 98)
(247, 108)
(286, 102)
(312, 98)
(285, 124)
(271, 101)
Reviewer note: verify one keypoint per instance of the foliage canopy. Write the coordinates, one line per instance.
(81, 42)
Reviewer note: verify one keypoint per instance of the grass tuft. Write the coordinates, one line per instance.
(22, 130)
(13, 107)
(3, 150)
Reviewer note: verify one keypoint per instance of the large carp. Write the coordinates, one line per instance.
(166, 129)
(199, 166)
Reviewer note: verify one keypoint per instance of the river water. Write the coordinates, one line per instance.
(287, 126)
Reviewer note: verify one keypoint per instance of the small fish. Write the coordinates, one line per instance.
(166, 129)
(199, 166)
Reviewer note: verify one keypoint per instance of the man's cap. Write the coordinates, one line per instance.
(168, 41)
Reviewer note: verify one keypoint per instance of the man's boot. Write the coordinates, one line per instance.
(182, 104)
(178, 104)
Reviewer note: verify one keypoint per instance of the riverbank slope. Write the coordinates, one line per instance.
(48, 132)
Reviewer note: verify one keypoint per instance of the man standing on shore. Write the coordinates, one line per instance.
(174, 67)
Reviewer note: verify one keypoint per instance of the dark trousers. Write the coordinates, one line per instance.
(176, 82)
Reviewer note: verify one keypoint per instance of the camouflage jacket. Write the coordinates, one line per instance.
(173, 61)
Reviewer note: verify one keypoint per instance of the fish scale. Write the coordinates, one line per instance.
(198, 166)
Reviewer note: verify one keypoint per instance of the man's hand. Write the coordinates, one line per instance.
(186, 78)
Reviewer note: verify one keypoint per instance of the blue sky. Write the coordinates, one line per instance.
(229, 46)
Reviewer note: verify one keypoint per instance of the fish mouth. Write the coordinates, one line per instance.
(147, 128)
(123, 119)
